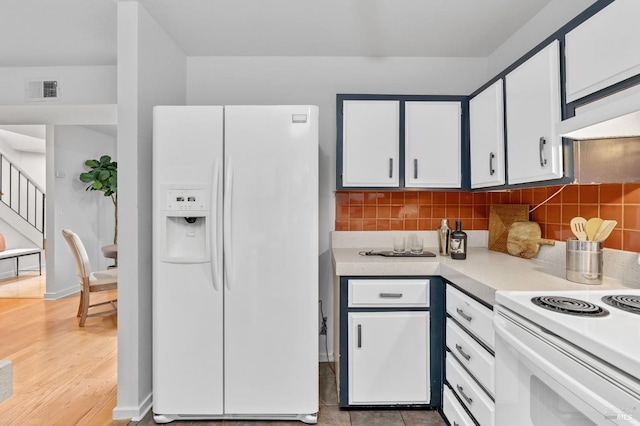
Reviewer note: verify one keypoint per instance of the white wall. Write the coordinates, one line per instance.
(77, 85)
(550, 19)
(87, 213)
(151, 71)
(32, 163)
(317, 80)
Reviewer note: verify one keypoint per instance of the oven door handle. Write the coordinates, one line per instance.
(557, 374)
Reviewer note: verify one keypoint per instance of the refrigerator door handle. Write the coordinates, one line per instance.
(215, 226)
(228, 209)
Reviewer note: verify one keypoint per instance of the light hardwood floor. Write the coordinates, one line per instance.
(62, 374)
(29, 285)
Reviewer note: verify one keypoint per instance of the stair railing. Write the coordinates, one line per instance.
(22, 194)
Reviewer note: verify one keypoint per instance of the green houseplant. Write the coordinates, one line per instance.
(103, 176)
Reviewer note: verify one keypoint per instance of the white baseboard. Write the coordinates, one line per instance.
(62, 293)
(136, 414)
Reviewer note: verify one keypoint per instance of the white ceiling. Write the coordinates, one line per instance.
(83, 32)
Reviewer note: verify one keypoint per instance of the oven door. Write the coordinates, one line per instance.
(542, 380)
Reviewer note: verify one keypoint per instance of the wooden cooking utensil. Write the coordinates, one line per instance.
(604, 230)
(592, 227)
(579, 228)
(524, 239)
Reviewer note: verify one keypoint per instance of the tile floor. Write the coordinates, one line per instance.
(331, 414)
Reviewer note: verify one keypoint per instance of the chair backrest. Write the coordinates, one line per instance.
(83, 268)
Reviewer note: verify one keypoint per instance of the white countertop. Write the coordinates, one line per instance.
(482, 273)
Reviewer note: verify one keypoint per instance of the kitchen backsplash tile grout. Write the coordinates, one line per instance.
(423, 210)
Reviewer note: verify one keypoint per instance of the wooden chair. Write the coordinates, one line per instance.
(90, 282)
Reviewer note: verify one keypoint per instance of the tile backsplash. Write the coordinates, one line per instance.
(423, 210)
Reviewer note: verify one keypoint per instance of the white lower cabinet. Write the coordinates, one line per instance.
(453, 410)
(472, 356)
(479, 404)
(388, 358)
(469, 365)
(471, 314)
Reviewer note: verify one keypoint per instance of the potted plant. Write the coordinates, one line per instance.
(103, 176)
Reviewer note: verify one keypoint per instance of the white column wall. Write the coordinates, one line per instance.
(151, 71)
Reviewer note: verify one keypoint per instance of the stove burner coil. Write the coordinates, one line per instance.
(568, 305)
(625, 302)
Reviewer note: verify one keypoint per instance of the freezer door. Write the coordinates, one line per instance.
(271, 260)
(187, 295)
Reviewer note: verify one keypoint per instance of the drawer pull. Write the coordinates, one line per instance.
(391, 295)
(464, 355)
(455, 423)
(465, 397)
(359, 335)
(463, 315)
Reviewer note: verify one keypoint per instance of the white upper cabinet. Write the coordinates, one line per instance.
(374, 133)
(433, 144)
(371, 143)
(603, 50)
(486, 120)
(534, 151)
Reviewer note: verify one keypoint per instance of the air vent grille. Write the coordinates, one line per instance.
(42, 90)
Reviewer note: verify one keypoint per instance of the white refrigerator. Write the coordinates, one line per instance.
(235, 262)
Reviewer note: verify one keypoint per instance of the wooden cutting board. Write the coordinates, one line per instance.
(524, 239)
(501, 216)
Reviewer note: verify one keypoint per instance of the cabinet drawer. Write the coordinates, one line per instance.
(472, 355)
(392, 293)
(471, 395)
(453, 410)
(471, 314)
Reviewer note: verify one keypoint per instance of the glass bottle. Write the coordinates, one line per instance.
(458, 244)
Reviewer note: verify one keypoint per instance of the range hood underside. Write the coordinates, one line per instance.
(607, 160)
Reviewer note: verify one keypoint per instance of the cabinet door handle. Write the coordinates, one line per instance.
(455, 423)
(463, 353)
(415, 168)
(543, 160)
(390, 168)
(462, 394)
(492, 171)
(359, 335)
(391, 295)
(463, 315)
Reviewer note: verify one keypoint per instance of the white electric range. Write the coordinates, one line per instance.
(568, 357)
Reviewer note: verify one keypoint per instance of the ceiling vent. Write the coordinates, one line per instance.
(42, 90)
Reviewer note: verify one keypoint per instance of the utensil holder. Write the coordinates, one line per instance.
(584, 261)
